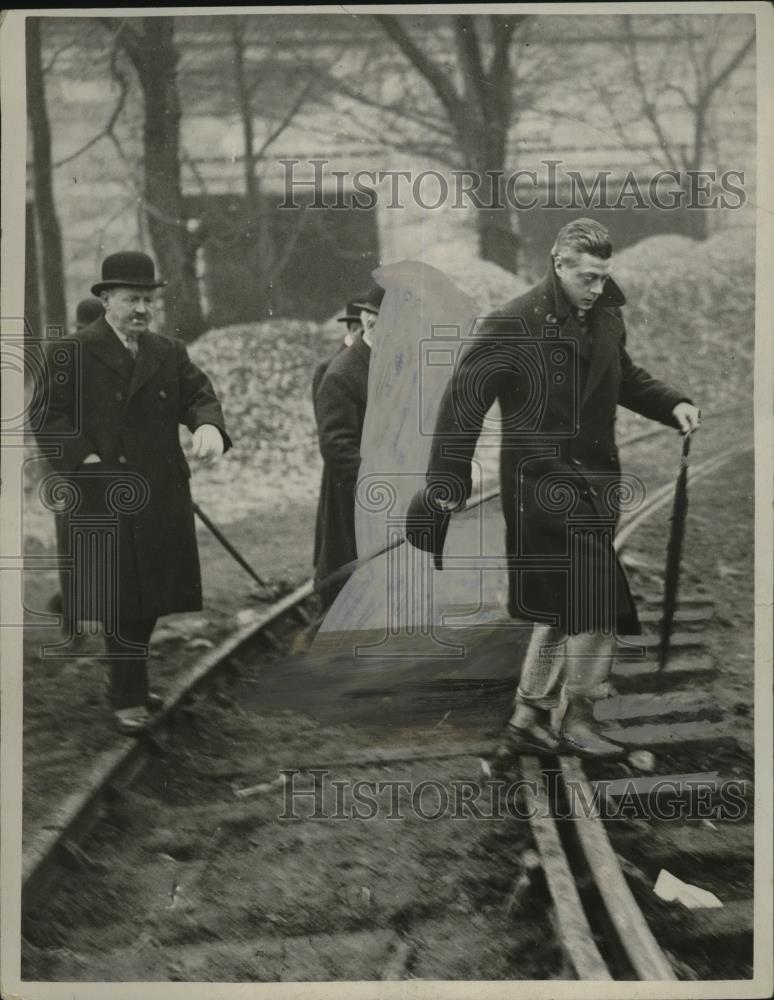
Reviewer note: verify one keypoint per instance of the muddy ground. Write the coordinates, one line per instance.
(198, 883)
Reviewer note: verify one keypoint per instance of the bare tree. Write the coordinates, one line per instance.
(477, 96)
(260, 250)
(150, 46)
(657, 96)
(47, 222)
(258, 85)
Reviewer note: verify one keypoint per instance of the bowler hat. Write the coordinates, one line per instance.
(372, 301)
(351, 314)
(87, 311)
(127, 269)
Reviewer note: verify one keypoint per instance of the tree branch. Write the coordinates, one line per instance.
(111, 122)
(399, 108)
(471, 63)
(286, 120)
(126, 36)
(289, 247)
(647, 105)
(432, 72)
(727, 70)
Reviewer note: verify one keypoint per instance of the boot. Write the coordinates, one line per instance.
(581, 735)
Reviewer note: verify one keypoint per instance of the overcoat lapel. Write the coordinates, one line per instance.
(103, 342)
(604, 342)
(604, 347)
(150, 355)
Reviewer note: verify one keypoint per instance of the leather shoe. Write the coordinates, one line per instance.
(583, 741)
(534, 739)
(131, 721)
(153, 701)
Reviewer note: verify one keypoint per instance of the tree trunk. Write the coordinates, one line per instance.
(258, 253)
(497, 242)
(49, 234)
(156, 63)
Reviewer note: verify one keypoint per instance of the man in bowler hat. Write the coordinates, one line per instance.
(116, 394)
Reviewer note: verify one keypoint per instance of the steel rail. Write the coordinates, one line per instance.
(633, 934)
(74, 817)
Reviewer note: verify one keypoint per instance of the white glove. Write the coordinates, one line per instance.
(207, 443)
(688, 416)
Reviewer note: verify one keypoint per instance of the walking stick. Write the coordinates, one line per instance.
(342, 572)
(230, 548)
(674, 550)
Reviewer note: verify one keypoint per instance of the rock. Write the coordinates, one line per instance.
(200, 644)
(642, 760)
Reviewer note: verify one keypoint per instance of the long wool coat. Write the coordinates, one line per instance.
(558, 383)
(132, 510)
(339, 406)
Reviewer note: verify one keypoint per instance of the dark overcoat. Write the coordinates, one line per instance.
(558, 382)
(125, 525)
(339, 406)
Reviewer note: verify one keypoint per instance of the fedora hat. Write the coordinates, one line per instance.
(372, 301)
(127, 269)
(351, 314)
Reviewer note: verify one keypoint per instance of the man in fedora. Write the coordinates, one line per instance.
(116, 394)
(354, 329)
(339, 406)
(353, 319)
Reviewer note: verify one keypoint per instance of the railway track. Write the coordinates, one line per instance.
(594, 870)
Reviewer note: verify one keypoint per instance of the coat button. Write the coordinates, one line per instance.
(122, 459)
(550, 318)
(162, 394)
(119, 396)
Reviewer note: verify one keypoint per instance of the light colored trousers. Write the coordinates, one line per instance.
(559, 668)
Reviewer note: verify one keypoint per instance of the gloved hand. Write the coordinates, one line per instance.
(207, 443)
(687, 416)
(428, 515)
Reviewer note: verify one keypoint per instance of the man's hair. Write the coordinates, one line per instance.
(582, 236)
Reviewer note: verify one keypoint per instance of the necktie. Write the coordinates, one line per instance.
(131, 344)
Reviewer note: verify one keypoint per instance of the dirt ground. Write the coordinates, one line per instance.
(66, 715)
(215, 888)
(196, 882)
